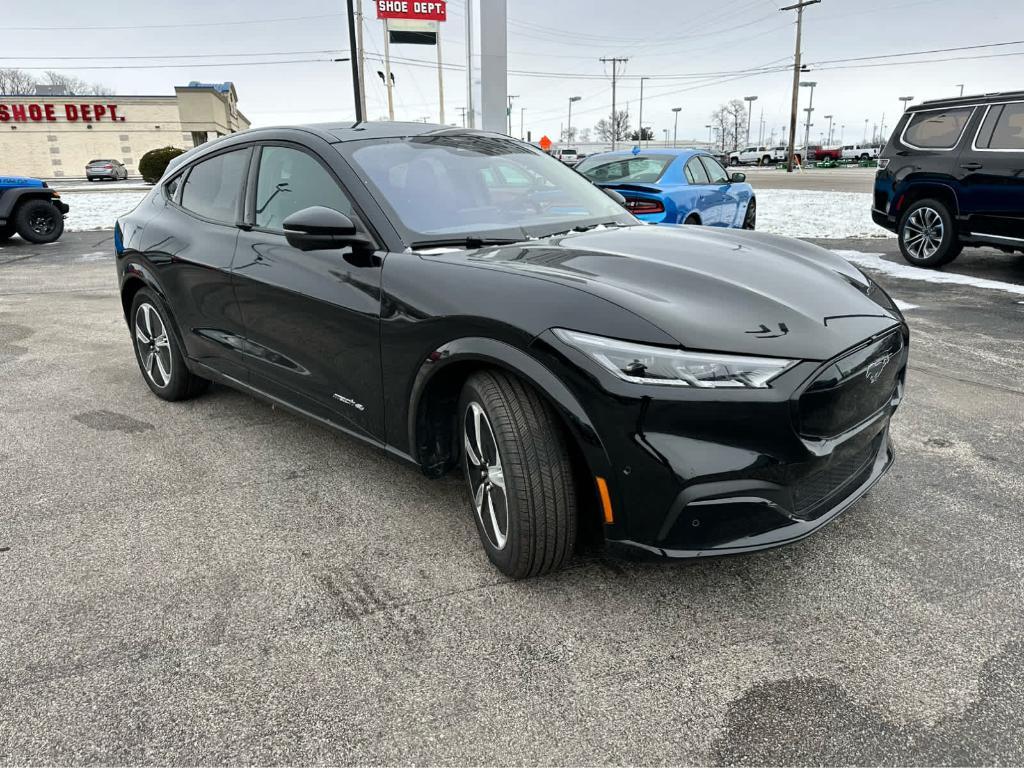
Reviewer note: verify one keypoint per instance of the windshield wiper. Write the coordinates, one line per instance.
(470, 241)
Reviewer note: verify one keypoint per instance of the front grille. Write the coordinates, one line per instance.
(845, 473)
(853, 388)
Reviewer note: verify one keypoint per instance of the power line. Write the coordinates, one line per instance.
(175, 26)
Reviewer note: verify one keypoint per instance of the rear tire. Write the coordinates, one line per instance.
(693, 220)
(38, 221)
(515, 457)
(157, 350)
(927, 234)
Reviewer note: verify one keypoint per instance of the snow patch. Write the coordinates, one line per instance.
(827, 215)
(875, 262)
(905, 306)
(98, 210)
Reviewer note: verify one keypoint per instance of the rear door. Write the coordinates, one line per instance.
(724, 197)
(991, 173)
(312, 318)
(190, 245)
(708, 200)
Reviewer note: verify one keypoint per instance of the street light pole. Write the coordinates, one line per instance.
(665, 131)
(961, 87)
(829, 118)
(709, 136)
(750, 106)
(568, 131)
(799, 8)
(675, 131)
(810, 108)
(906, 100)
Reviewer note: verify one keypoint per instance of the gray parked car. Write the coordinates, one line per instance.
(105, 169)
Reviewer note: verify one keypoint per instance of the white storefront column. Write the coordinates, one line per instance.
(494, 64)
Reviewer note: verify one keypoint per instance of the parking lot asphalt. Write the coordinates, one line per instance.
(219, 582)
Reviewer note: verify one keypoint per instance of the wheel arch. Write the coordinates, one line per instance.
(10, 199)
(436, 388)
(916, 191)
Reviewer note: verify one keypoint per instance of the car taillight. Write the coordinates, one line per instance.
(107, 167)
(883, 163)
(638, 206)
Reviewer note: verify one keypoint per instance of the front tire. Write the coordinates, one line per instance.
(750, 217)
(927, 234)
(158, 353)
(38, 221)
(515, 458)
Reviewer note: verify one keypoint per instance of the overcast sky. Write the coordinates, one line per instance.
(668, 38)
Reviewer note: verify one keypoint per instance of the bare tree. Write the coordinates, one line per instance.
(569, 135)
(76, 86)
(729, 123)
(584, 136)
(614, 128)
(15, 81)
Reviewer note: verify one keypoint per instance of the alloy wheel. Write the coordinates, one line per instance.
(153, 345)
(486, 476)
(923, 233)
(42, 224)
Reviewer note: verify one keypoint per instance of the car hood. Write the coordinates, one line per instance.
(720, 290)
(19, 181)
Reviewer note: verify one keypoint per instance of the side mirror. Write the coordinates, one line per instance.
(318, 229)
(738, 178)
(615, 196)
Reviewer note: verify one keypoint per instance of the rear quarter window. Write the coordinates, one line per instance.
(936, 129)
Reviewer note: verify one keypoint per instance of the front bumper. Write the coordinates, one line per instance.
(883, 219)
(61, 206)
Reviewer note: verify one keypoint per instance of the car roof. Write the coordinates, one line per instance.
(966, 101)
(680, 152)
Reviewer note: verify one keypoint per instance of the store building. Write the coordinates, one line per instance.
(54, 136)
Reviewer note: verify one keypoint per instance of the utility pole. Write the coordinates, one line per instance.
(469, 65)
(510, 98)
(810, 108)
(356, 97)
(799, 7)
(463, 111)
(362, 56)
(641, 126)
(615, 76)
(760, 128)
(522, 122)
(750, 112)
(387, 71)
(440, 77)
(675, 131)
(568, 131)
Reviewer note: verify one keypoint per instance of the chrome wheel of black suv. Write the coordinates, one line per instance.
(927, 234)
(657, 391)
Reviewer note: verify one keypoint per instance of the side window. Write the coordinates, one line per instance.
(290, 180)
(171, 187)
(1003, 127)
(695, 173)
(936, 129)
(716, 173)
(213, 187)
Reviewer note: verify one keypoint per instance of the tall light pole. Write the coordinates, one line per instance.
(708, 126)
(842, 132)
(522, 122)
(750, 106)
(799, 8)
(568, 131)
(642, 109)
(866, 119)
(508, 112)
(675, 131)
(961, 87)
(829, 118)
(906, 100)
(810, 108)
(665, 131)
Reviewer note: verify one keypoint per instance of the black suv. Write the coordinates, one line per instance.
(953, 175)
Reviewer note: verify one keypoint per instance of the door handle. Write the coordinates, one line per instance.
(971, 166)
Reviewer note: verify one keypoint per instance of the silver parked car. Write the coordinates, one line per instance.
(105, 169)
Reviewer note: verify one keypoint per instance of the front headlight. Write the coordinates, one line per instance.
(643, 364)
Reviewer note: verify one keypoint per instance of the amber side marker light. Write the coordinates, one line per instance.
(606, 500)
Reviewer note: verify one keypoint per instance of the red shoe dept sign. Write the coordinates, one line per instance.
(420, 10)
(50, 113)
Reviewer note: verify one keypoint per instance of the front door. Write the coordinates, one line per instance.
(991, 171)
(725, 199)
(312, 318)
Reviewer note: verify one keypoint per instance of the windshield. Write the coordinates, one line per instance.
(607, 169)
(444, 186)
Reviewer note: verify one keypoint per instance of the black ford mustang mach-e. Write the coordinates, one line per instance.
(459, 298)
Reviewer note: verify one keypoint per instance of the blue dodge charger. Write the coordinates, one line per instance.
(675, 186)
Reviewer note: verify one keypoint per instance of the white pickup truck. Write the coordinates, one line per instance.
(859, 152)
(758, 156)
